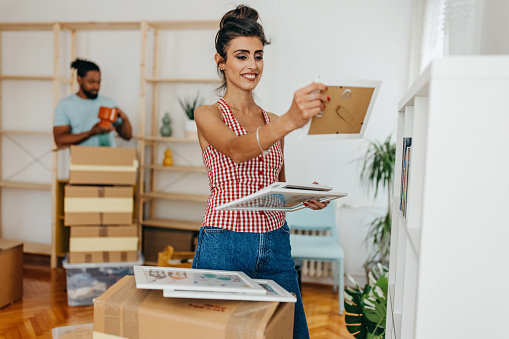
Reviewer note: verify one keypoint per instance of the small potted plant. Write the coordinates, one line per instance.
(189, 105)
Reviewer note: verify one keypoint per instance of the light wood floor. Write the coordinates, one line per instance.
(44, 306)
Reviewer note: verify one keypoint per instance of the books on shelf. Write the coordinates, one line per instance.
(405, 173)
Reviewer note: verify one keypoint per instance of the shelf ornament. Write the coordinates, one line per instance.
(165, 128)
(168, 159)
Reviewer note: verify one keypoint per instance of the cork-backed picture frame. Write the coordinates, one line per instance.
(347, 114)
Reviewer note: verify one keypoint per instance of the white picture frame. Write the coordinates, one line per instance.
(343, 117)
(190, 279)
(281, 196)
(274, 293)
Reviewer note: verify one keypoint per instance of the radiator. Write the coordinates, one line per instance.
(312, 268)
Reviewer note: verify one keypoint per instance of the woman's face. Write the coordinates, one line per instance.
(244, 63)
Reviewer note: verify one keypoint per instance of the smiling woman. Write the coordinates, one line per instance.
(242, 149)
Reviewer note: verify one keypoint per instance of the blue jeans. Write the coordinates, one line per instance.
(259, 255)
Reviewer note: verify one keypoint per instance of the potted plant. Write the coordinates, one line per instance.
(366, 309)
(189, 105)
(377, 172)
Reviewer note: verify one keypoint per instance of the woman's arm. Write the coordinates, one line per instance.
(211, 129)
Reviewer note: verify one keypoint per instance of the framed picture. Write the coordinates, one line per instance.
(281, 196)
(347, 114)
(274, 292)
(189, 279)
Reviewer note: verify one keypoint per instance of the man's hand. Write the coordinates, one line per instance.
(124, 129)
(96, 129)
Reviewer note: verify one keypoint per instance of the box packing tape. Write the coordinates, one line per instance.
(104, 168)
(96, 244)
(100, 205)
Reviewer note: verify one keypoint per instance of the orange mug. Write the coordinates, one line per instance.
(107, 116)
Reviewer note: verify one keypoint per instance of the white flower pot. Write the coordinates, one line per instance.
(190, 129)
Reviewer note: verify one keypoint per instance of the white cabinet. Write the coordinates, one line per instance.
(448, 267)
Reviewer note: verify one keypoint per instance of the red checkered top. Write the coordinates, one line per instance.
(229, 181)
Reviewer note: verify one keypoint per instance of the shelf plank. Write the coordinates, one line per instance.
(169, 139)
(27, 77)
(8, 131)
(173, 224)
(101, 26)
(183, 81)
(195, 169)
(185, 25)
(34, 77)
(26, 26)
(175, 196)
(25, 185)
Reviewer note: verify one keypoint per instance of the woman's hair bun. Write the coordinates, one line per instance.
(242, 12)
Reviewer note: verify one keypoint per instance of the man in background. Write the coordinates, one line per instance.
(76, 121)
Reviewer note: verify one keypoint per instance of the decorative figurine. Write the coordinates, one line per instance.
(167, 161)
(166, 129)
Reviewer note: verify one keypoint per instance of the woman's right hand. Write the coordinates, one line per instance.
(307, 102)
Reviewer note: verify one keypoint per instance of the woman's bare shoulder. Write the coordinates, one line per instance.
(207, 110)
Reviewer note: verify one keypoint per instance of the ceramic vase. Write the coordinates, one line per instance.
(165, 128)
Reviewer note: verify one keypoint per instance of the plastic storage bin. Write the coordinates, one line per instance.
(84, 331)
(90, 280)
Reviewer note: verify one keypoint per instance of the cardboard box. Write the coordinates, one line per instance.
(102, 166)
(88, 281)
(103, 238)
(127, 312)
(156, 239)
(102, 257)
(11, 271)
(97, 205)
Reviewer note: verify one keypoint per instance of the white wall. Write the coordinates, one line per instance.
(335, 38)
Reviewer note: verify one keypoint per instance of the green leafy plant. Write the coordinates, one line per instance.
(377, 172)
(190, 104)
(366, 309)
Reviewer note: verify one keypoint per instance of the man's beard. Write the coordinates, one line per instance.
(90, 95)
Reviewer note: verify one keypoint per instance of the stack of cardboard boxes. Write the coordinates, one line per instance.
(98, 206)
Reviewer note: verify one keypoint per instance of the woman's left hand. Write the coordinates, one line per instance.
(315, 204)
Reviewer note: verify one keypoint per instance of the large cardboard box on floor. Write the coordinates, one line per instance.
(98, 205)
(127, 312)
(102, 166)
(103, 238)
(11, 271)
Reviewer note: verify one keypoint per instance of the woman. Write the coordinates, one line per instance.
(242, 151)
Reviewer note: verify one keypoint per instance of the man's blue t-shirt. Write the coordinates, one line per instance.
(81, 115)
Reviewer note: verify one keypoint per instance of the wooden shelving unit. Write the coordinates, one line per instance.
(147, 192)
(148, 145)
(451, 244)
(29, 247)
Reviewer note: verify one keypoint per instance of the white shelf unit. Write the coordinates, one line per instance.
(150, 141)
(448, 254)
